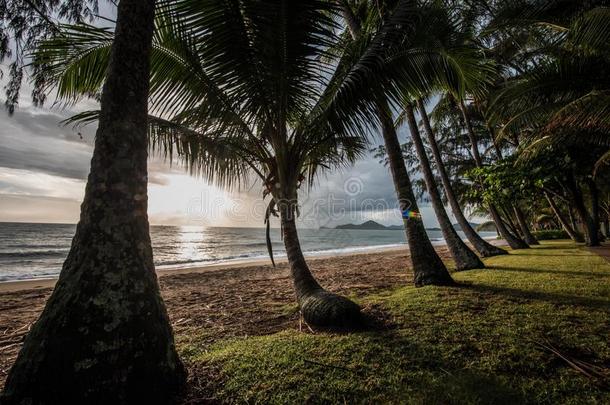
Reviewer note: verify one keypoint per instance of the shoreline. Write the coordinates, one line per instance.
(42, 283)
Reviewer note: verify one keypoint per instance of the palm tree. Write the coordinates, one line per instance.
(104, 334)
(528, 237)
(565, 224)
(241, 90)
(484, 248)
(428, 268)
(563, 96)
(512, 240)
(464, 258)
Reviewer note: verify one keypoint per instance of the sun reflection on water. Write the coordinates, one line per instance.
(192, 241)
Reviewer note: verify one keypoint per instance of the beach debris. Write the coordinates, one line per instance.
(599, 374)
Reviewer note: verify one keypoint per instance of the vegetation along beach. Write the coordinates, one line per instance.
(313, 201)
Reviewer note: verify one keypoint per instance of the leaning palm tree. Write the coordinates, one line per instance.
(464, 258)
(462, 66)
(484, 248)
(242, 89)
(427, 266)
(513, 241)
(104, 335)
(564, 97)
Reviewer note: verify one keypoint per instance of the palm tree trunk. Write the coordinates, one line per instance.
(474, 143)
(572, 219)
(428, 268)
(319, 307)
(104, 335)
(509, 222)
(525, 230)
(594, 204)
(591, 234)
(507, 217)
(484, 248)
(464, 258)
(605, 228)
(513, 241)
(574, 235)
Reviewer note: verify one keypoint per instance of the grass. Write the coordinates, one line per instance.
(478, 343)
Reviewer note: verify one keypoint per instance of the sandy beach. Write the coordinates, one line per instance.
(220, 301)
(19, 285)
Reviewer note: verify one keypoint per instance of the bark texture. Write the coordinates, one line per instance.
(484, 248)
(104, 335)
(428, 268)
(572, 218)
(465, 259)
(320, 308)
(565, 222)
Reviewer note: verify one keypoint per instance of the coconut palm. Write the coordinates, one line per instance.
(463, 67)
(104, 335)
(461, 74)
(427, 266)
(510, 237)
(563, 98)
(249, 88)
(565, 223)
(484, 248)
(464, 258)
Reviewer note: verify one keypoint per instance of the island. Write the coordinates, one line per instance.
(376, 226)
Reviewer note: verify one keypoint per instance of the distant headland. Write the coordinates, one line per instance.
(375, 226)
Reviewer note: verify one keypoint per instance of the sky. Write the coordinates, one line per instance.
(44, 166)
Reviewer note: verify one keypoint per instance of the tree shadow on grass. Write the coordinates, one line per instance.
(470, 387)
(557, 299)
(558, 272)
(555, 254)
(419, 371)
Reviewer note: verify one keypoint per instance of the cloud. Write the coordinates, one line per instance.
(26, 208)
(40, 159)
(43, 165)
(35, 141)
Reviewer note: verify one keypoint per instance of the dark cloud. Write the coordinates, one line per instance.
(35, 141)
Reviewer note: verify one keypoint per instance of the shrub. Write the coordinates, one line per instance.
(549, 234)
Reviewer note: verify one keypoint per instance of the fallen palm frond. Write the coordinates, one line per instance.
(599, 374)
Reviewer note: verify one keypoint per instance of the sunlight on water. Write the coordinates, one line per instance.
(39, 250)
(192, 243)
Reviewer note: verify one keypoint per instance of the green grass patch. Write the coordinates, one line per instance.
(477, 343)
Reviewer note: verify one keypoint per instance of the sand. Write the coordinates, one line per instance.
(19, 285)
(221, 301)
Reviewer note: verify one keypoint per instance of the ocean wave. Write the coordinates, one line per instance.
(165, 263)
(353, 249)
(35, 253)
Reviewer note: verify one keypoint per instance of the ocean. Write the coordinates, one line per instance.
(30, 251)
